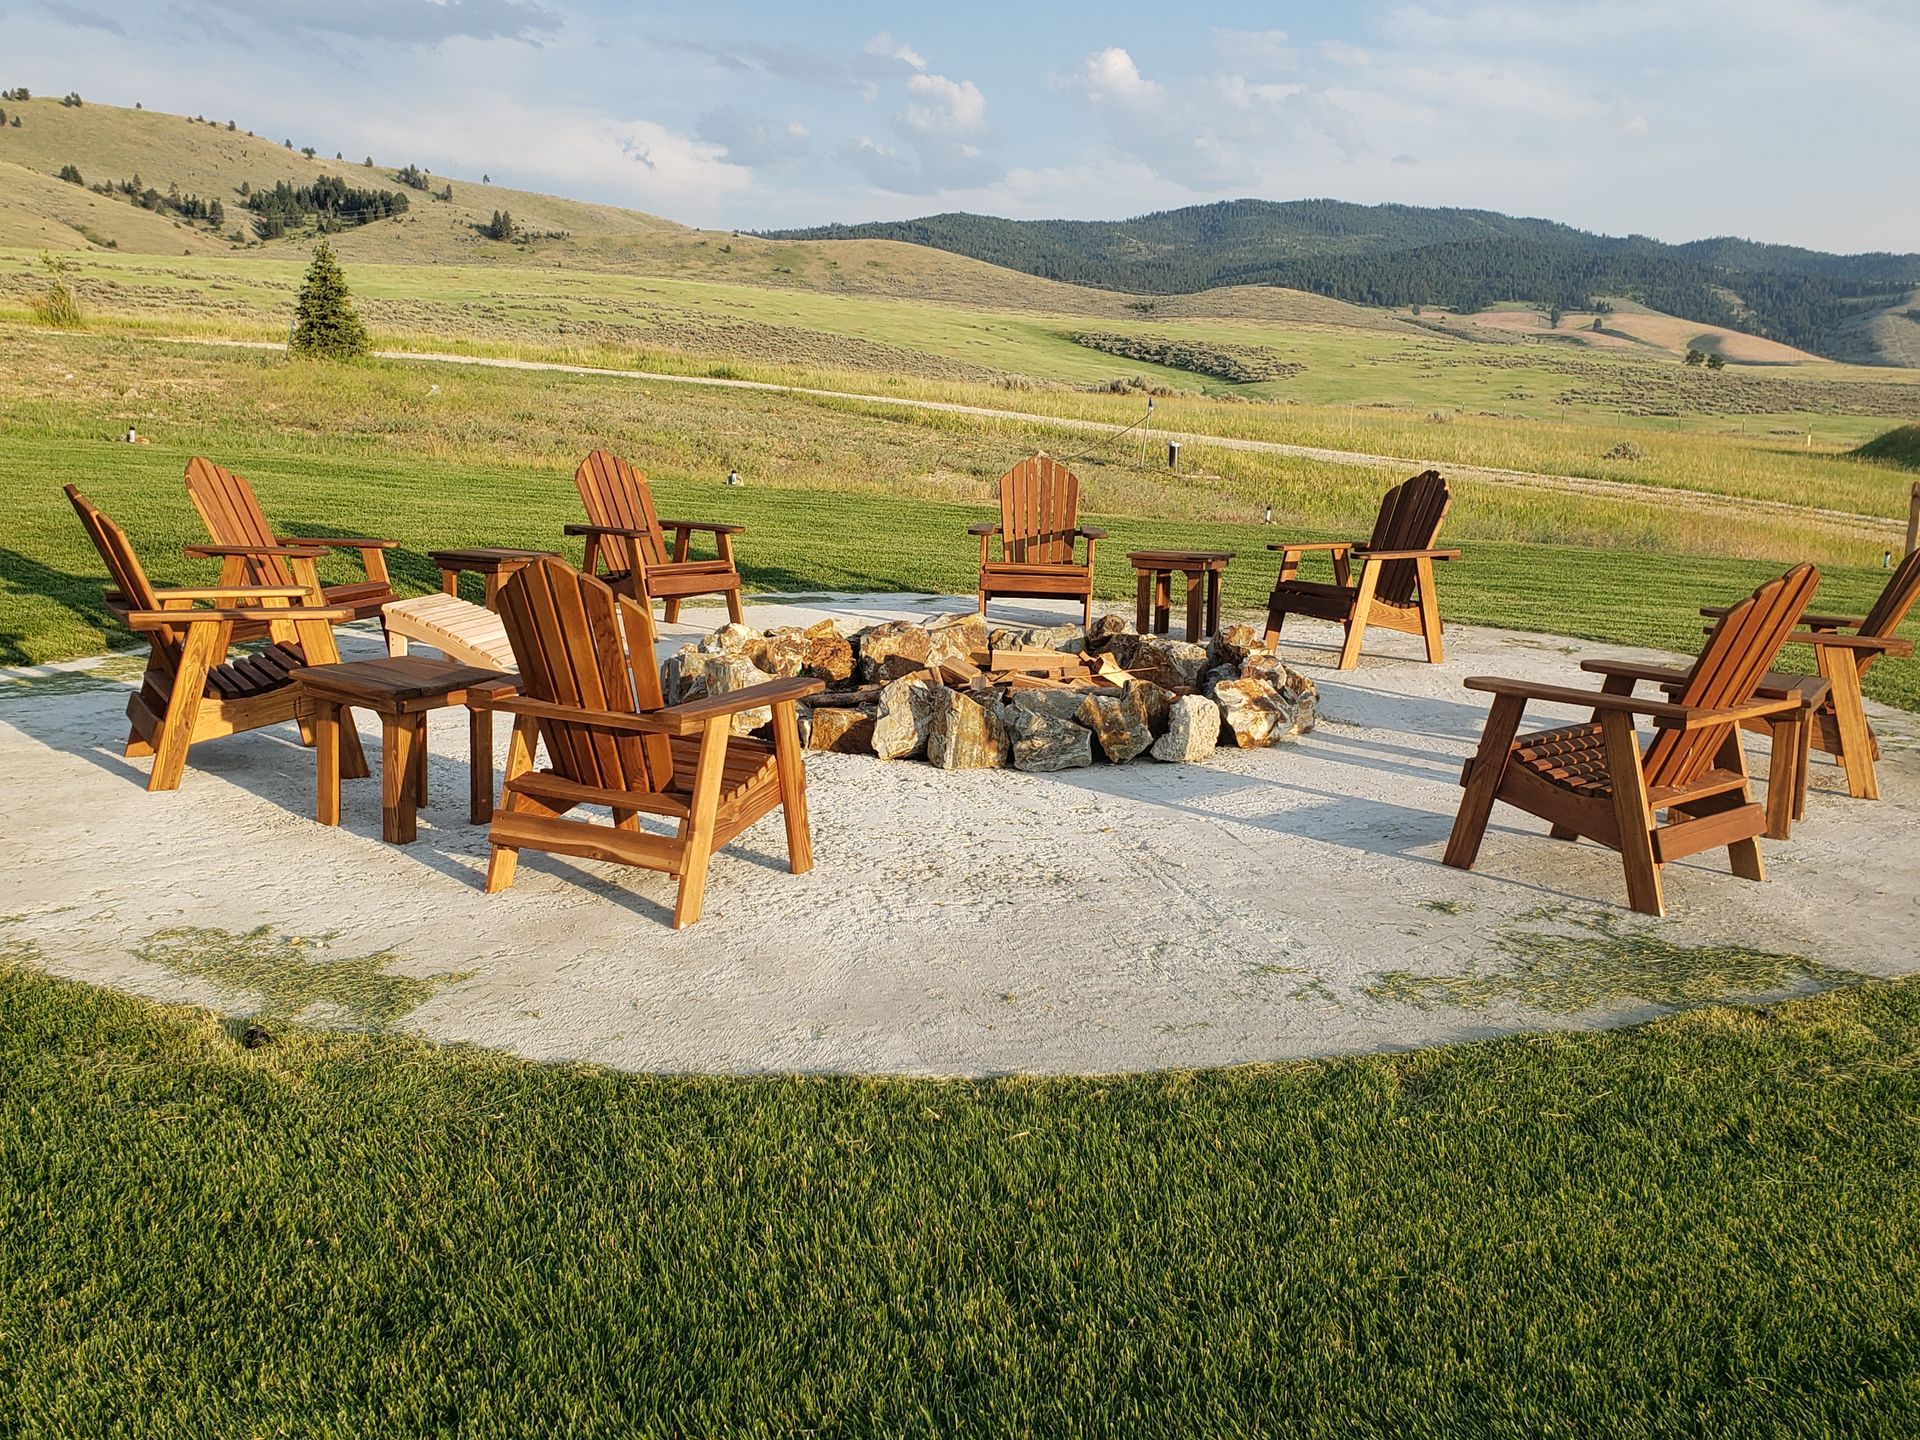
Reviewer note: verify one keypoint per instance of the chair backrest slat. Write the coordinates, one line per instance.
(1890, 610)
(1739, 652)
(1410, 517)
(579, 645)
(232, 515)
(616, 494)
(1039, 512)
(128, 575)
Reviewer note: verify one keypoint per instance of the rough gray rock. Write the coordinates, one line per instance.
(1232, 644)
(1171, 664)
(1193, 731)
(955, 637)
(1257, 712)
(724, 674)
(1042, 743)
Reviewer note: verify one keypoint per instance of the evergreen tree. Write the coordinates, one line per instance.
(326, 324)
(1716, 361)
(500, 227)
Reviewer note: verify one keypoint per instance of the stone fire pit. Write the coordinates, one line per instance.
(963, 695)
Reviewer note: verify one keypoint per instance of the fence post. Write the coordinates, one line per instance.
(1913, 520)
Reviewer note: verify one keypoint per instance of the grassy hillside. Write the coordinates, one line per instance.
(1460, 259)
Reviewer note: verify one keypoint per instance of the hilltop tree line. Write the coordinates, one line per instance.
(329, 201)
(1413, 255)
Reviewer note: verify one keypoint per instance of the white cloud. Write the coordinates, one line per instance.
(887, 48)
(953, 107)
(1111, 78)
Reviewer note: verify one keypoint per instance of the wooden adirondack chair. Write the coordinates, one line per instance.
(191, 691)
(624, 535)
(589, 687)
(250, 551)
(1395, 588)
(1592, 779)
(1039, 528)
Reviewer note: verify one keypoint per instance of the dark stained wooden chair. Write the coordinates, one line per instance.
(191, 690)
(1039, 533)
(626, 543)
(251, 551)
(1593, 780)
(1395, 587)
(590, 689)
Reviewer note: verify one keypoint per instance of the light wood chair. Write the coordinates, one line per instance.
(626, 543)
(1039, 531)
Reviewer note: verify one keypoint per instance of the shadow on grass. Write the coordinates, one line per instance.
(83, 597)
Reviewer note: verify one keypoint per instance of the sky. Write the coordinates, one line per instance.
(1783, 120)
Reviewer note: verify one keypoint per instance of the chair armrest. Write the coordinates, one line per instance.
(1664, 713)
(1833, 622)
(298, 552)
(1634, 670)
(1874, 644)
(710, 527)
(338, 543)
(606, 530)
(1092, 532)
(983, 529)
(1363, 553)
(689, 715)
(496, 695)
(160, 619)
(1317, 545)
(236, 592)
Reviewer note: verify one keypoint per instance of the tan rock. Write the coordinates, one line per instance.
(963, 734)
(1257, 712)
(1118, 720)
(1232, 644)
(906, 708)
(1171, 664)
(1193, 731)
(829, 655)
(844, 730)
(893, 649)
(724, 674)
(1042, 744)
(734, 638)
(955, 637)
(784, 652)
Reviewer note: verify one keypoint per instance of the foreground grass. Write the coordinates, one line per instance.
(1708, 1225)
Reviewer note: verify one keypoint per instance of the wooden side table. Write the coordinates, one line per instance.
(1202, 570)
(492, 564)
(401, 690)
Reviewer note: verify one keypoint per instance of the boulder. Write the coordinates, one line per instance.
(1232, 644)
(784, 651)
(1118, 720)
(1068, 639)
(1107, 632)
(1054, 704)
(1218, 675)
(829, 656)
(955, 637)
(1262, 665)
(683, 675)
(892, 650)
(1193, 731)
(724, 674)
(734, 638)
(1171, 664)
(1042, 743)
(842, 729)
(1258, 712)
(963, 734)
(906, 709)
(1154, 700)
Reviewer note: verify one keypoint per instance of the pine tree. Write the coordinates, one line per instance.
(326, 325)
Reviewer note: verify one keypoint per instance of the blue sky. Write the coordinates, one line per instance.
(1790, 120)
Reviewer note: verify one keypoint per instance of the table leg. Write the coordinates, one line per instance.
(480, 766)
(420, 759)
(1162, 599)
(494, 580)
(1213, 602)
(1143, 615)
(449, 581)
(1783, 765)
(1195, 579)
(397, 819)
(326, 724)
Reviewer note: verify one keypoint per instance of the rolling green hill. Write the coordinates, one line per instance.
(1456, 259)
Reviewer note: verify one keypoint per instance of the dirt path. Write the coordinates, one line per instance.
(1692, 500)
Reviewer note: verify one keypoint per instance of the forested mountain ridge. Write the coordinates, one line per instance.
(1415, 255)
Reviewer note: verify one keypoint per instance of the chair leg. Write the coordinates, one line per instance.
(1631, 813)
(1850, 716)
(1430, 612)
(792, 767)
(673, 611)
(396, 644)
(503, 859)
(205, 645)
(1086, 611)
(696, 832)
(1483, 783)
(733, 606)
(1358, 616)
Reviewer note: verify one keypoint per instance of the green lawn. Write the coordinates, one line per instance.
(798, 540)
(1709, 1225)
